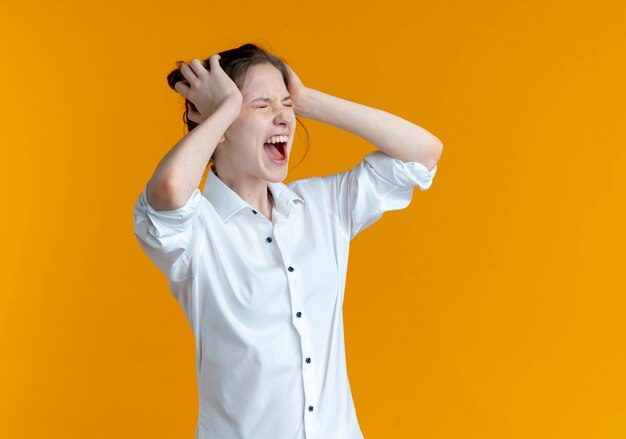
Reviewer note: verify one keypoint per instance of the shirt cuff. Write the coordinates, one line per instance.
(403, 174)
(164, 223)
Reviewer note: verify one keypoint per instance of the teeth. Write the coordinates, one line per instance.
(277, 139)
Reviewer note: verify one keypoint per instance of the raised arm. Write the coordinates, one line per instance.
(179, 173)
(396, 137)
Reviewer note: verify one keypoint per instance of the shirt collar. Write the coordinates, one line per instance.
(227, 202)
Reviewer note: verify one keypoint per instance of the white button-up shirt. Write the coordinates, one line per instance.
(264, 298)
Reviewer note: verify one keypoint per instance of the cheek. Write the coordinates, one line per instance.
(236, 126)
(246, 131)
(246, 123)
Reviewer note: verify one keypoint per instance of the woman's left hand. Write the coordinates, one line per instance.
(297, 90)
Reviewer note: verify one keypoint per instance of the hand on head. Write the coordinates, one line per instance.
(207, 89)
(296, 89)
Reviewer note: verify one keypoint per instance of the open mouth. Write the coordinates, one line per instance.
(276, 151)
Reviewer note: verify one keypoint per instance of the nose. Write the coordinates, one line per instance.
(284, 115)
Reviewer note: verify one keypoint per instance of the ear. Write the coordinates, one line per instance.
(194, 116)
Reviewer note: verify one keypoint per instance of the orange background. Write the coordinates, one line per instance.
(492, 307)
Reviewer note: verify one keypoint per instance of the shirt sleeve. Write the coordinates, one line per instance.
(378, 183)
(164, 235)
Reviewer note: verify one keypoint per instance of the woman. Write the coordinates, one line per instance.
(259, 267)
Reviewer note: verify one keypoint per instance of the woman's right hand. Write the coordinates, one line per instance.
(208, 89)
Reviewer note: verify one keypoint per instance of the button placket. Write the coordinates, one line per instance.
(302, 326)
(267, 239)
(308, 371)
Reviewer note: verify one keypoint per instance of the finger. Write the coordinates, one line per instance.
(197, 67)
(292, 73)
(181, 88)
(214, 62)
(188, 73)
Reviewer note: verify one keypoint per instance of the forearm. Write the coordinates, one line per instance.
(180, 171)
(393, 135)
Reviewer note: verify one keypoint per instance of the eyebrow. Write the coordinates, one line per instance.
(286, 98)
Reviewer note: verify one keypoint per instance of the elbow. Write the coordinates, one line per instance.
(437, 150)
(433, 156)
(162, 195)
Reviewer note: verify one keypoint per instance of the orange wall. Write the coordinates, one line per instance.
(491, 307)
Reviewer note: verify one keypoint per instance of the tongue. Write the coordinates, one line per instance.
(272, 151)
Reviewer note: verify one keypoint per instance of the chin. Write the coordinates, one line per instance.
(277, 175)
(276, 172)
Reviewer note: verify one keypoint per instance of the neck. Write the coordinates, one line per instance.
(253, 191)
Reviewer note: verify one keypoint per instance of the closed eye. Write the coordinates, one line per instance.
(286, 105)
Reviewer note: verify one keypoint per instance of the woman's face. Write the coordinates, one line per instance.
(266, 110)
